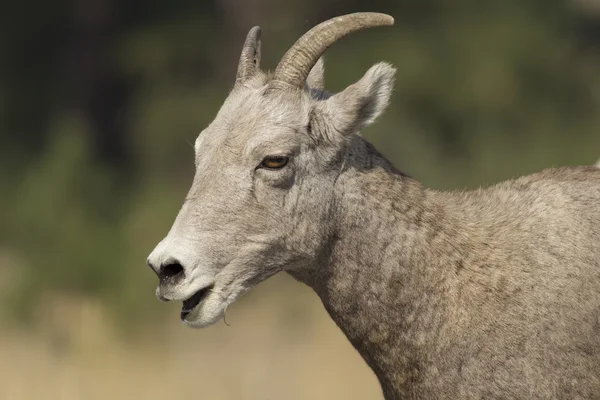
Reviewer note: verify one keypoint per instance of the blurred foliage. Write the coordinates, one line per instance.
(101, 100)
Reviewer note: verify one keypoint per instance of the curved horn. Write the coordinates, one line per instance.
(250, 58)
(294, 67)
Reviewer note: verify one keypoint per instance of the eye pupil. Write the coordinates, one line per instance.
(274, 162)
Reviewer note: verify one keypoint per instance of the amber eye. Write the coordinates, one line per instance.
(274, 162)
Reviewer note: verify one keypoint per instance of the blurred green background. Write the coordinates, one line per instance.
(100, 101)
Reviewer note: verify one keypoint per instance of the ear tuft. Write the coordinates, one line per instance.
(360, 103)
(316, 77)
(375, 88)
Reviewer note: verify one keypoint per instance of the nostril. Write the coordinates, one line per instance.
(171, 270)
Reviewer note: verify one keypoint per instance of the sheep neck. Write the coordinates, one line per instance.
(387, 279)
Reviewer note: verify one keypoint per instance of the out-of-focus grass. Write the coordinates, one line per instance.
(280, 345)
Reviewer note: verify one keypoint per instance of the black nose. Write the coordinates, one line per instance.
(171, 270)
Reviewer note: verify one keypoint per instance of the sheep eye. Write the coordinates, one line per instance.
(274, 162)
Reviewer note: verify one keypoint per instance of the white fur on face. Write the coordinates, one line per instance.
(241, 223)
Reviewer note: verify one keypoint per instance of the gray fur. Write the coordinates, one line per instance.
(486, 294)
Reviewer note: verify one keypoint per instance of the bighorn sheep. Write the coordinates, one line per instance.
(492, 293)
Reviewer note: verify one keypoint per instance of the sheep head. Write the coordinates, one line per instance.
(263, 198)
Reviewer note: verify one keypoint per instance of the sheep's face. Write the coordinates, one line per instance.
(263, 199)
(259, 203)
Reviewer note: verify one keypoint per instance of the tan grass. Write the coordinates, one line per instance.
(280, 345)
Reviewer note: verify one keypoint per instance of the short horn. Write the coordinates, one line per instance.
(250, 57)
(294, 67)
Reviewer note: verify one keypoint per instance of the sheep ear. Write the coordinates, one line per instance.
(316, 77)
(361, 103)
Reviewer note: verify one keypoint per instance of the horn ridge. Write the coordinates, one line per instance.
(250, 58)
(294, 67)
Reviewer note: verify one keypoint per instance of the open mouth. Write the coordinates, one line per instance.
(191, 303)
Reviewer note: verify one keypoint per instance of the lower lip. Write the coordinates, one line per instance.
(203, 294)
